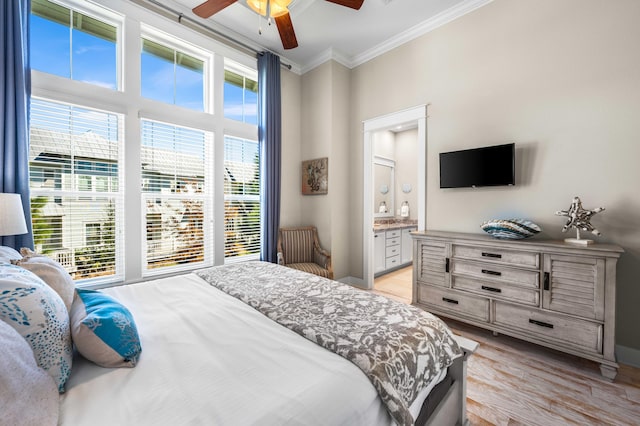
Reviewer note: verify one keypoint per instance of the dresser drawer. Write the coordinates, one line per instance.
(395, 233)
(392, 261)
(497, 290)
(496, 273)
(507, 257)
(460, 304)
(585, 335)
(395, 241)
(392, 251)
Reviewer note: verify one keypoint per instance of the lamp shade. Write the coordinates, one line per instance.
(11, 215)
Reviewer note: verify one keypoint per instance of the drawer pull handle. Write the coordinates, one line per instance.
(493, 289)
(540, 323)
(488, 272)
(496, 256)
(546, 281)
(446, 265)
(455, 302)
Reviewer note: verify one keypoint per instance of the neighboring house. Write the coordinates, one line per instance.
(87, 164)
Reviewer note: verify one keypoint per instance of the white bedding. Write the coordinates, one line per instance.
(209, 359)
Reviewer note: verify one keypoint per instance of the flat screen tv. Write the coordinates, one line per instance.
(486, 166)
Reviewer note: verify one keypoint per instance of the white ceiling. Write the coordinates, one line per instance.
(329, 31)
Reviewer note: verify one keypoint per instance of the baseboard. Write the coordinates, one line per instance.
(356, 282)
(628, 356)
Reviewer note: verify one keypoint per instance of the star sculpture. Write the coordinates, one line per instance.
(579, 218)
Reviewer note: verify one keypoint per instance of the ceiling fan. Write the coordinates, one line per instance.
(276, 9)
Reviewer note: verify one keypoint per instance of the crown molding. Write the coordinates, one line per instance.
(421, 29)
(327, 55)
(412, 33)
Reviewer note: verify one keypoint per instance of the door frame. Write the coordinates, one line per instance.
(415, 117)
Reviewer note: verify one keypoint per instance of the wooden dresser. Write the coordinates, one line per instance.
(547, 292)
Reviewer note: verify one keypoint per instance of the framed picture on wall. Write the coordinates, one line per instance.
(315, 176)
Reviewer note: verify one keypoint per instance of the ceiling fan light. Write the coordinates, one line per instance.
(278, 7)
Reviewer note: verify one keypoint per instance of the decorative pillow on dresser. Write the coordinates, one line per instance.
(35, 311)
(103, 330)
(51, 272)
(28, 395)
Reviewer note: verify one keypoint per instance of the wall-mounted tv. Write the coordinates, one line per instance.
(486, 166)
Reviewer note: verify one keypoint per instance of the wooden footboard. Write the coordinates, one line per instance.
(452, 409)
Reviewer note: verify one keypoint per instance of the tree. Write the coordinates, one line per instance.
(42, 231)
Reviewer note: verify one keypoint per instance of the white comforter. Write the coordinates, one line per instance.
(209, 359)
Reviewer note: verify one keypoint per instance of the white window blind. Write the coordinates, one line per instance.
(76, 191)
(176, 196)
(241, 197)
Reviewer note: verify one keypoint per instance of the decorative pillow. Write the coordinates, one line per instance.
(35, 311)
(103, 330)
(511, 229)
(28, 395)
(52, 273)
(7, 254)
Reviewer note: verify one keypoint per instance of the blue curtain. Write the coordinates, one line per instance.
(15, 94)
(269, 137)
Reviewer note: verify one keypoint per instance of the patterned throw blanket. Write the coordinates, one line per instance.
(399, 347)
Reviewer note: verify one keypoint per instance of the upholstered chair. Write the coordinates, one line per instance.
(299, 248)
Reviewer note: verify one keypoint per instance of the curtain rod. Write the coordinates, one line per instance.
(181, 17)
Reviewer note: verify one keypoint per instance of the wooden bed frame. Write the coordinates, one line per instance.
(452, 408)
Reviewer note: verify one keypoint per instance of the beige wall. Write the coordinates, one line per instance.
(321, 101)
(290, 200)
(339, 185)
(406, 151)
(561, 79)
(402, 148)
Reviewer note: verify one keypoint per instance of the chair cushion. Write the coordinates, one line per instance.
(297, 245)
(311, 268)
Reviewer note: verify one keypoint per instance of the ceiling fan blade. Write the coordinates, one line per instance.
(285, 28)
(353, 4)
(211, 7)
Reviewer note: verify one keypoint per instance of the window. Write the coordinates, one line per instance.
(172, 76)
(92, 234)
(241, 197)
(164, 118)
(61, 134)
(73, 45)
(175, 194)
(240, 97)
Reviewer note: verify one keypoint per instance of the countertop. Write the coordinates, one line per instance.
(394, 224)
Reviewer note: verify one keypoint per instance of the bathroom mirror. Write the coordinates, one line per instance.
(383, 184)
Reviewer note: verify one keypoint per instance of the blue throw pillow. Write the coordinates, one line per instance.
(103, 330)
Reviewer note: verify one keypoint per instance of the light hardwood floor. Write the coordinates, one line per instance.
(512, 382)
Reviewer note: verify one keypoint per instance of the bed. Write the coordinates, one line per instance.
(214, 353)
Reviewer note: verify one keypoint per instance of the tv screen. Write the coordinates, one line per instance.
(486, 166)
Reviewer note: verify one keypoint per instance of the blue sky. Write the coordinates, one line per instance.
(85, 57)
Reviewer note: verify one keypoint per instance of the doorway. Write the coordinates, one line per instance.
(414, 117)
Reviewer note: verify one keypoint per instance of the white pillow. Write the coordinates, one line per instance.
(28, 395)
(7, 254)
(35, 311)
(52, 273)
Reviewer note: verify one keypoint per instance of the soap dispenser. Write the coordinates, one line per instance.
(404, 210)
